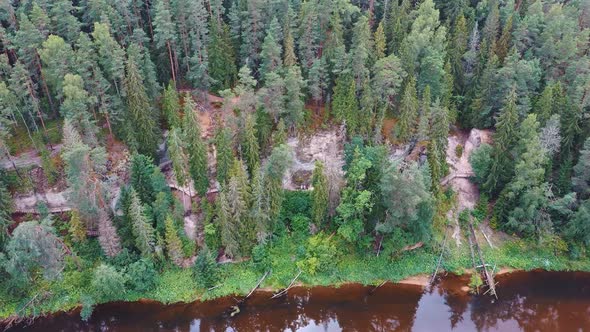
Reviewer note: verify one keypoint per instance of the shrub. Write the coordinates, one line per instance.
(300, 225)
(320, 254)
(107, 283)
(459, 150)
(481, 160)
(141, 275)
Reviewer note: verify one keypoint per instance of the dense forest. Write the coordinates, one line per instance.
(109, 98)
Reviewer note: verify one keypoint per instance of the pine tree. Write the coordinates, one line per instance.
(58, 60)
(319, 207)
(171, 105)
(111, 56)
(387, 80)
(424, 47)
(75, 107)
(142, 229)
(196, 147)
(173, 243)
(165, 33)
(408, 111)
(63, 21)
(144, 135)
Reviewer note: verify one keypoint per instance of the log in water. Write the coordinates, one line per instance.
(527, 301)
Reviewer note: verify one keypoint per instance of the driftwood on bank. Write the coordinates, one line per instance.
(255, 287)
(489, 277)
(284, 291)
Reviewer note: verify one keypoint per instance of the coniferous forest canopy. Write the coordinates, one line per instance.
(166, 127)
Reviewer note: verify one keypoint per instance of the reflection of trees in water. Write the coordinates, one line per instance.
(533, 302)
(353, 309)
(544, 302)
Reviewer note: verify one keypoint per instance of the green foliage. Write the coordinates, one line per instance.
(320, 254)
(225, 156)
(320, 194)
(171, 105)
(205, 269)
(141, 275)
(107, 284)
(481, 160)
(34, 246)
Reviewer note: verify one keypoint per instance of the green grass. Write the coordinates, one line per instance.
(179, 285)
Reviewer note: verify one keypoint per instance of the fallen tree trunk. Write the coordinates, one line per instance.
(284, 291)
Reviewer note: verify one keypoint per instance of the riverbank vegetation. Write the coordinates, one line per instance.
(154, 149)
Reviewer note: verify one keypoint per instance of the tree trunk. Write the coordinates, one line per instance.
(171, 61)
(49, 99)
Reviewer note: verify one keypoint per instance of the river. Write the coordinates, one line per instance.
(527, 301)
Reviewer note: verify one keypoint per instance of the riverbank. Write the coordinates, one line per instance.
(529, 301)
(414, 267)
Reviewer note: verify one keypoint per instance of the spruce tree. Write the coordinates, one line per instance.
(319, 206)
(504, 141)
(196, 147)
(171, 105)
(173, 243)
(224, 152)
(271, 52)
(142, 229)
(222, 68)
(178, 156)
(408, 111)
(249, 144)
(294, 102)
(228, 229)
(143, 133)
(380, 42)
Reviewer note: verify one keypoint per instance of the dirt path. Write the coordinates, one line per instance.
(460, 171)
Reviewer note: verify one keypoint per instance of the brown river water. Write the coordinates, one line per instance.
(527, 301)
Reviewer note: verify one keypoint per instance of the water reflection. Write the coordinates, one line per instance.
(532, 301)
